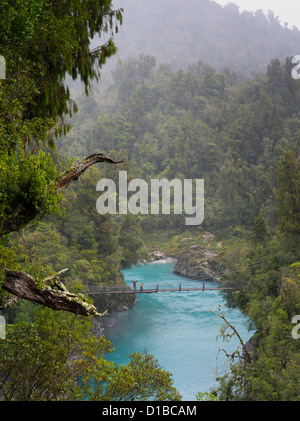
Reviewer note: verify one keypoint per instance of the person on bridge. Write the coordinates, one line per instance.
(134, 284)
(142, 286)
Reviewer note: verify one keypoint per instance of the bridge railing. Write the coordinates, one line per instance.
(123, 288)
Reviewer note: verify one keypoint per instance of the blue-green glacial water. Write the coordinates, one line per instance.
(178, 329)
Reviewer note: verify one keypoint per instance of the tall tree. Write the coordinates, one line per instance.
(288, 194)
(259, 233)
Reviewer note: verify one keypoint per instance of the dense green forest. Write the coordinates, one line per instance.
(240, 134)
(201, 123)
(180, 33)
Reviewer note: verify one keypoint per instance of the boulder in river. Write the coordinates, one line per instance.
(199, 263)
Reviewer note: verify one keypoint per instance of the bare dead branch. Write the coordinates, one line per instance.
(78, 169)
(247, 355)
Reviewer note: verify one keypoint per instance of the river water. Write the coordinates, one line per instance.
(178, 329)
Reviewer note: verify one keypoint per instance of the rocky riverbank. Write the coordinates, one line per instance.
(196, 261)
(200, 262)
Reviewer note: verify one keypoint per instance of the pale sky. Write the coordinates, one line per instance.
(286, 10)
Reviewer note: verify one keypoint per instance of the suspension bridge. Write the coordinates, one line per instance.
(125, 289)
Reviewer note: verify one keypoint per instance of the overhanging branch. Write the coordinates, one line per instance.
(78, 169)
(24, 286)
(24, 213)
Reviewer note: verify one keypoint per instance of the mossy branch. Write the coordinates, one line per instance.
(24, 286)
(78, 169)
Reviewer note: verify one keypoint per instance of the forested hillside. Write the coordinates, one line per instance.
(180, 33)
(201, 123)
(188, 107)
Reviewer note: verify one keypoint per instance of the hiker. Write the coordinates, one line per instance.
(142, 286)
(134, 284)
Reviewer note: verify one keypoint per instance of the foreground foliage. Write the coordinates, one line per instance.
(57, 357)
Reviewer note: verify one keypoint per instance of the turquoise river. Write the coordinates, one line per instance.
(178, 329)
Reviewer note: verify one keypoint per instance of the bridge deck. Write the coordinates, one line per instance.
(156, 290)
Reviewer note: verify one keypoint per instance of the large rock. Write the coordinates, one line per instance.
(158, 255)
(199, 263)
